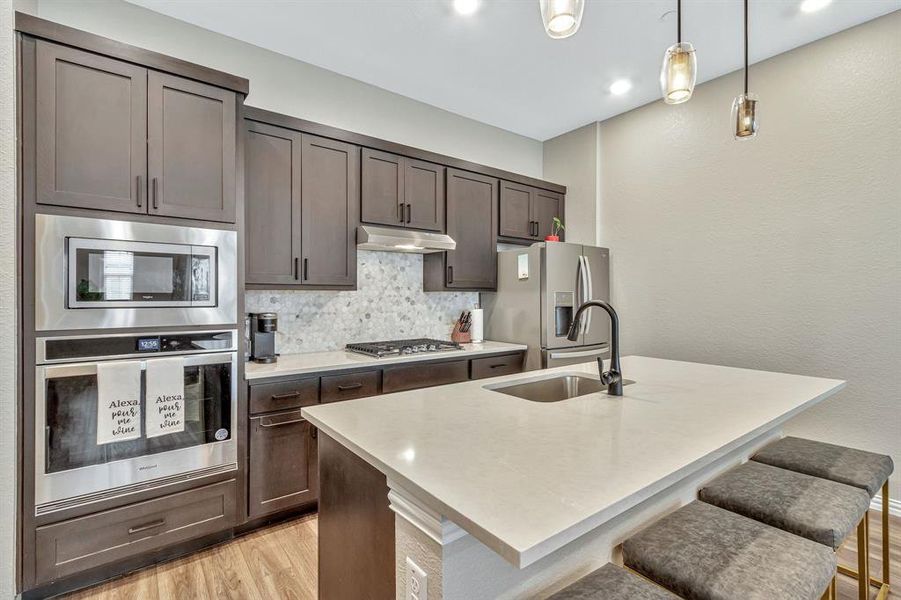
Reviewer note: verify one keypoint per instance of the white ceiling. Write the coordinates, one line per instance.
(498, 66)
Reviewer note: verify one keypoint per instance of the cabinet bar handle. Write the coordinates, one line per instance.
(400, 212)
(146, 526)
(497, 366)
(156, 201)
(285, 396)
(409, 212)
(450, 274)
(140, 198)
(296, 268)
(313, 432)
(306, 270)
(267, 422)
(349, 386)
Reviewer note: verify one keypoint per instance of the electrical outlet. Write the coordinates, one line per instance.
(417, 582)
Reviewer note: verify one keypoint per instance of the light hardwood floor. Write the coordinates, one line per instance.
(279, 562)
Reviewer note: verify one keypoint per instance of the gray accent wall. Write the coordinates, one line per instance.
(388, 304)
(8, 312)
(780, 253)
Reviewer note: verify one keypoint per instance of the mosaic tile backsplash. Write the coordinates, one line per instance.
(388, 304)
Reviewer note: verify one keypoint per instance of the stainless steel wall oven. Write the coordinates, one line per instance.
(72, 467)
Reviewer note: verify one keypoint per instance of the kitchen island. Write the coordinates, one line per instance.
(494, 495)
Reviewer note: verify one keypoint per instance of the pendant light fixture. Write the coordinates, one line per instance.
(680, 67)
(561, 18)
(744, 108)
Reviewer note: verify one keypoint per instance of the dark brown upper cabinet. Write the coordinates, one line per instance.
(191, 149)
(302, 197)
(528, 212)
(472, 216)
(330, 192)
(272, 225)
(114, 136)
(401, 192)
(91, 130)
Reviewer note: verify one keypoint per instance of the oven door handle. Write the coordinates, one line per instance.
(90, 368)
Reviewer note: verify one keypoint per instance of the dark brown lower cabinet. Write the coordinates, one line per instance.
(419, 375)
(113, 535)
(283, 464)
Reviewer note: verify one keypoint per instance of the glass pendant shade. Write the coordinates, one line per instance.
(678, 74)
(561, 18)
(744, 116)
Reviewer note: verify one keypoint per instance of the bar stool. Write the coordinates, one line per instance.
(703, 552)
(858, 468)
(613, 583)
(818, 509)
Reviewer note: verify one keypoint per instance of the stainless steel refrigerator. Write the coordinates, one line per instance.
(538, 290)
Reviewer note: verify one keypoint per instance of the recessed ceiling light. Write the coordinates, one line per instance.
(620, 86)
(466, 7)
(810, 6)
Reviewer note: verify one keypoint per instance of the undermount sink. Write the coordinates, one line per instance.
(552, 389)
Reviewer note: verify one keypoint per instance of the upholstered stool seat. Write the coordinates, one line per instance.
(865, 470)
(613, 583)
(703, 552)
(820, 510)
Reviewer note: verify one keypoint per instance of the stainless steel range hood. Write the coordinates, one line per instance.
(390, 239)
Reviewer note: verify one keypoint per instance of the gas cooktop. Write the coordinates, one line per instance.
(401, 347)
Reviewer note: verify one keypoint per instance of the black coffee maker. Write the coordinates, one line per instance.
(262, 337)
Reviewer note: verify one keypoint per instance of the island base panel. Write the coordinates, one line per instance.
(356, 527)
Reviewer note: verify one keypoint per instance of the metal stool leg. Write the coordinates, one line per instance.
(886, 556)
(863, 584)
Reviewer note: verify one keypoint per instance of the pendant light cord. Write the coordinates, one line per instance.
(746, 47)
(679, 21)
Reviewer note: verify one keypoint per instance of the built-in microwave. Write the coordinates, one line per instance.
(101, 273)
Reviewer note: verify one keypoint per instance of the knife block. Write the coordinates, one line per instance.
(461, 337)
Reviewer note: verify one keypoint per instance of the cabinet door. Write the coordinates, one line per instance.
(382, 188)
(330, 200)
(545, 206)
(272, 204)
(424, 195)
(282, 468)
(515, 210)
(472, 222)
(91, 130)
(191, 149)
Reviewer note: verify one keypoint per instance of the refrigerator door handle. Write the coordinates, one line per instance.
(584, 293)
(588, 278)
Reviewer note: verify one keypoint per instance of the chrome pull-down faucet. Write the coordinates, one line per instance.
(613, 378)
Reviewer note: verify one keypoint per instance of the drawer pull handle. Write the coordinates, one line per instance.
(146, 526)
(349, 386)
(497, 366)
(286, 396)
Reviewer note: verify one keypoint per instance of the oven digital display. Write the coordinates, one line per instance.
(149, 344)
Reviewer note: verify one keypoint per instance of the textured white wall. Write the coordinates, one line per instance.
(8, 329)
(572, 159)
(781, 253)
(300, 89)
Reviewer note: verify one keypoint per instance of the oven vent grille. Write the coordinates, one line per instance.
(51, 507)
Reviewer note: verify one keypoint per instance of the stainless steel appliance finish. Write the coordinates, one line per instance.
(539, 289)
(391, 239)
(399, 347)
(191, 272)
(71, 469)
(551, 389)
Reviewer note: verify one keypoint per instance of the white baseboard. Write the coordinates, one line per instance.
(894, 505)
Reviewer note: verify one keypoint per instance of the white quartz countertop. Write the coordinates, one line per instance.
(527, 478)
(315, 362)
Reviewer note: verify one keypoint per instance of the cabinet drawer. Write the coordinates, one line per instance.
(282, 468)
(348, 387)
(86, 542)
(495, 366)
(284, 395)
(423, 374)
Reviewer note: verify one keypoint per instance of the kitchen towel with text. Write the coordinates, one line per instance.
(118, 401)
(165, 396)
